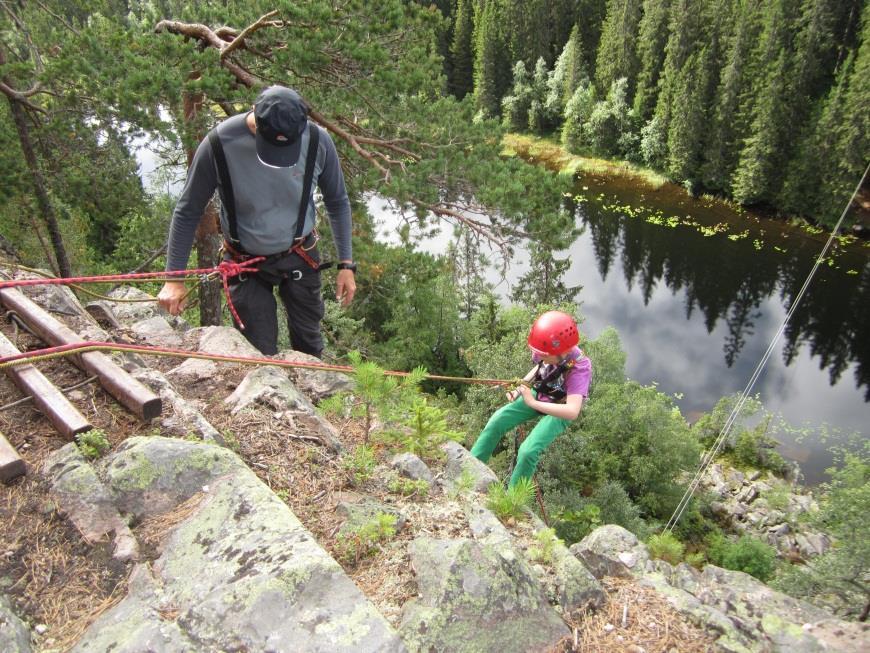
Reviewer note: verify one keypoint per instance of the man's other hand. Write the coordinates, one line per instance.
(173, 297)
(345, 287)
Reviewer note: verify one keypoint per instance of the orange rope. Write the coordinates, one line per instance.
(60, 351)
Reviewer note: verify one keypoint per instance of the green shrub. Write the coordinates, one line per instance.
(573, 525)
(511, 503)
(754, 448)
(545, 546)
(777, 497)
(463, 483)
(618, 508)
(380, 394)
(696, 559)
(336, 406)
(93, 443)
(667, 547)
(422, 431)
(696, 523)
(630, 434)
(231, 441)
(748, 554)
(360, 465)
(408, 487)
(361, 541)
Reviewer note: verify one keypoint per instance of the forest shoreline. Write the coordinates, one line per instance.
(553, 156)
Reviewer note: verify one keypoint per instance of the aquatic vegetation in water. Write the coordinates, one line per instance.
(615, 206)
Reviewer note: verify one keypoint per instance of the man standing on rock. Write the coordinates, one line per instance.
(265, 164)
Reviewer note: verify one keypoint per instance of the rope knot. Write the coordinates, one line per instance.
(230, 268)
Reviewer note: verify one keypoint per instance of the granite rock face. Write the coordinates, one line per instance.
(268, 585)
(741, 612)
(14, 634)
(475, 598)
(460, 463)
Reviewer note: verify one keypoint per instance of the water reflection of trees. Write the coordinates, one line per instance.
(730, 280)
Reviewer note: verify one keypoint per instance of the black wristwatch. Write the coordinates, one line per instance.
(346, 266)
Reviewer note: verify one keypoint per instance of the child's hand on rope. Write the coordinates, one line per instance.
(516, 384)
(526, 393)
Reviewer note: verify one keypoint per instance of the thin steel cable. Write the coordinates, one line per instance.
(735, 412)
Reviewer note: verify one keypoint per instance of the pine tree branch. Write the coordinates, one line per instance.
(206, 37)
(58, 18)
(21, 97)
(239, 41)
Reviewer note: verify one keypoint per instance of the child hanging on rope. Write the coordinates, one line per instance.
(559, 383)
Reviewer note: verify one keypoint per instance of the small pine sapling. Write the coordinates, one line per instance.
(545, 546)
(512, 503)
(362, 541)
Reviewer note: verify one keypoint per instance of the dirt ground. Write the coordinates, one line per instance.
(60, 584)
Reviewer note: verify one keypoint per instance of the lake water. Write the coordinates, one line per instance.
(697, 292)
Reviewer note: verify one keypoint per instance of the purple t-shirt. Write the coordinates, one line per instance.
(575, 379)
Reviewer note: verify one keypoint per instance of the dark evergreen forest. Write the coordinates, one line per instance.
(764, 103)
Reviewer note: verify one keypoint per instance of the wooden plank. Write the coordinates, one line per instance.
(65, 417)
(138, 399)
(11, 465)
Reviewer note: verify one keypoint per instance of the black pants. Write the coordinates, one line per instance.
(299, 288)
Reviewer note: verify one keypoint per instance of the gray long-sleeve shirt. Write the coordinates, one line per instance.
(266, 198)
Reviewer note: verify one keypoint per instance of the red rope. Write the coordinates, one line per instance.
(226, 270)
(88, 345)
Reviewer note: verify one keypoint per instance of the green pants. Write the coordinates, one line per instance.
(506, 418)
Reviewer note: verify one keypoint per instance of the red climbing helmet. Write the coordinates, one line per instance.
(553, 333)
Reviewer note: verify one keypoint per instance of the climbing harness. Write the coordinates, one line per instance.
(552, 383)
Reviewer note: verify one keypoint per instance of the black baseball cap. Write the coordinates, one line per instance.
(281, 118)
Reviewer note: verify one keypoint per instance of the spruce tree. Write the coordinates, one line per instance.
(567, 75)
(491, 65)
(617, 50)
(685, 33)
(814, 58)
(461, 50)
(762, 159)
(816, 161)
(651, 54)
(842, 135)
(527, 30)
(589, 17)
(729, 114)
(695, 90)
(855, 141)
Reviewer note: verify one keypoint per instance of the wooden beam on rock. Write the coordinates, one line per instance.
(137, 398)
(11, 465)
(65, 417)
